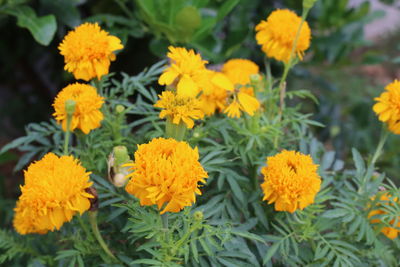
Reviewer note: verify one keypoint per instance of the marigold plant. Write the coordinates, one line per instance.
(186, 71)
(166, 173)
(277, 34)
(54, 191)
(88, 51)
(179, 109)
(390, 232)
(291, 181)
(388, 106)
(87, 115)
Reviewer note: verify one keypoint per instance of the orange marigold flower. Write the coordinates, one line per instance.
(239, 70)
(276, 35)
(388, 106)
(87, 115)
(88, 51)
(54, 191)
(390, 232)
(187, 70)
(291, 181)
(166, 173)
(179, 108)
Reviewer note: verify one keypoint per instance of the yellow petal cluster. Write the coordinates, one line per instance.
(239, 70)
(291, 181)
(186, 70)
(88, 51)
(54, 191)
(213, 98)
(388, 106)
(166, 173)
(276, 35)
(87, 115)
(179, 108)
(390, 232)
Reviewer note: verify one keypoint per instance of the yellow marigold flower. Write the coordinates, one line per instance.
(291, 181)
(276, 35)
(213, 97)
(53, 193)
(239, 70)
(88, 51)
(87, 115)
(179, 108)
(390, 232)
(166, 173)
(187, 70)
(388, 106)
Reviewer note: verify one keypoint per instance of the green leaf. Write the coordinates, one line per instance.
(148, 262)
(335, 213)
(271, 252)
(226, 8)
(42, 28)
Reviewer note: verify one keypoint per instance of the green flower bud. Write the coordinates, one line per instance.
(119, 109)
(121, 155)
(188, 18)
(308, 4)
(70, 106)
(198, 215)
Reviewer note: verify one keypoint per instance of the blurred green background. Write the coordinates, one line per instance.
(343, 68)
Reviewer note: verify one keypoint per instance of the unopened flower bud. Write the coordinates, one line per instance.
(307, 4)
(198, 215)
(188, 18)
(119, 179)
(121, 155)
(119, 109)
(70, 106)
(255, 78)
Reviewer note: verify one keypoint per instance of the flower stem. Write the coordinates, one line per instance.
(176, 131)
(164, 219)
(97, 235)
(67, 134)
(378, 151)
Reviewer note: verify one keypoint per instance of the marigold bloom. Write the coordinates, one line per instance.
(88, 51)
(187, 70)
(291, 181)
(243, 98)
(213, 97)
(87, 115)
(239, 70)
(179, 108)
(388, 106)
(53, 193)
(276, 35)
(166, 172)
(390, 232)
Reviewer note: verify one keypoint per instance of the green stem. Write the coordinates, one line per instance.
(378, 151)
(124, 8)
(176, 131)
(164, 219)
(67, 134)
(97, 235)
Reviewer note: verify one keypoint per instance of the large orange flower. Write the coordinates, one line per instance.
(88, 51)
(54, 191)
(166, 173)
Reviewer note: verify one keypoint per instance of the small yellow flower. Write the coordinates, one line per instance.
(187, 71)
(213, 97)
(291, 181)
(53, 193)
(166, 173)
(242, 98)
(179, 108)
(388, 106)
(276, 35)
(88, 51)
(390, 232)
(87, 115)
(239, 70)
